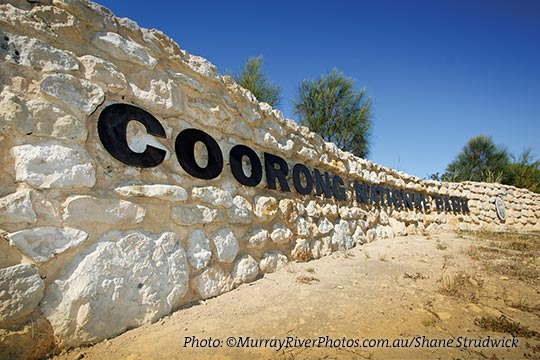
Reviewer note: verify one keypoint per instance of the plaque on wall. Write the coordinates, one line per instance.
(501, 210)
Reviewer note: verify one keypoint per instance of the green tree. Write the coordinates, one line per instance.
(252, 78)
(524, 172)
(480, 160)
(332, 107)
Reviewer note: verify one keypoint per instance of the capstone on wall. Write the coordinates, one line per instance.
(92, 246)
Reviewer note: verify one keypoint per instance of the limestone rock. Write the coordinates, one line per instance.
(199, 252)
(265, 207)
(273, 261)
(325, 226)
(201, 65)
(281, 234)
(384, 232)
(84, 209)
(371, 235)
(257, 238)
(316, 247)
(49, 119)
(17, 208)
(330, 211)
(43, 243)
(39, 55)
(195, 214)
(171, 193)
(301, 251)
(226, 245)
(241, 211)
(245, 270)
(289, 210)
(399, 228)
(103, 73)
(133, 278)
(213, 196)
(359, 237)
(312, 209)
(21, 290)
(14, 111)
(121, 48)
(212, 282)
(82, 94)
(53, 165)
(303, 227)
(342, 238)
(157, 90)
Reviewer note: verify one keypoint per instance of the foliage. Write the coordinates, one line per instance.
(525, 171)
(480, 160)
(253, 79)
(332, 107)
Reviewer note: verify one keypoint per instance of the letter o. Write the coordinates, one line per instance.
(235, 160)
(185, 153)
(302, 169)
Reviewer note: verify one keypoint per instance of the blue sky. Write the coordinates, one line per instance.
(439, 72)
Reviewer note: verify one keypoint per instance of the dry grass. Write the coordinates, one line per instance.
(306, 279)
(461, 285)
(503, 324)
(514, 255)
(415, 276)
(441, 246)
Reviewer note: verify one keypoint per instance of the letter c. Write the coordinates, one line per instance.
(112, 130)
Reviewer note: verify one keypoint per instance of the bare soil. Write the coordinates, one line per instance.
(422, 289)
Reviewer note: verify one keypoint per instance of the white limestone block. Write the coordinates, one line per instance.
(53, 165)
(17, 208)
(43, 243)
(124, 280)
(82, 94)
(226, 245)
(84, 209)
(21, 290)
(199, 252)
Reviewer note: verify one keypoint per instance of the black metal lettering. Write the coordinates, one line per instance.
(112, 131)
(185, 153)
(306, 189)
(361, 192)
(322, 186)
(339, 188)
(236, 155)
(272, 172)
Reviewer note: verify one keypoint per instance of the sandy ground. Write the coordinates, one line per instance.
(425, 290)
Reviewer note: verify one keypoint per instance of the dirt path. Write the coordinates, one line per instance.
(418, 289)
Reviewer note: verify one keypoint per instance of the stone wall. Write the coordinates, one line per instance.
(92, 246)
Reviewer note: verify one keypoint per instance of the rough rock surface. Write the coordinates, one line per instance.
(213, 196)
(84, 209)
(81, 94)
(17, 208)
(212, 282)
(199, 252)
(53, 165)
(42, 244)
(226, 245)
(245, 270)
(195, 214)
(273, 261)
(241, 211)
(21, 290)
(171, 193)
(133, 278)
